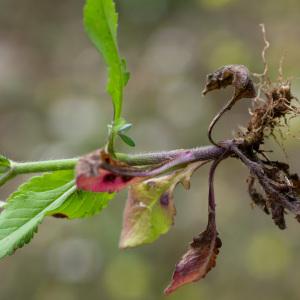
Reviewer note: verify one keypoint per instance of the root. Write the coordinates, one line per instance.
(271, 186)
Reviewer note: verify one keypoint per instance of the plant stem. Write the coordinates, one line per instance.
(151, 158)
(18, 168)
(143, 159)
(43, 166)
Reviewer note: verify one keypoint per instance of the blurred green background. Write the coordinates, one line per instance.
(53, 105)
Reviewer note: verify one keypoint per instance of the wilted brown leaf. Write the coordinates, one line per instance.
(203, 251)
(198, 260)
(236, 75)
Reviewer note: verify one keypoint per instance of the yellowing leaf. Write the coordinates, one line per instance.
(150, 209)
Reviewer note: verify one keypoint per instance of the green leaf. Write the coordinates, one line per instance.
(125, 71)
(83, 204)
(127, 140)
(145, 217)
(41, 196)
(101, 22)
(150, 210)
(4, 164)
(119, 126)
(124, 127)
(26, 208)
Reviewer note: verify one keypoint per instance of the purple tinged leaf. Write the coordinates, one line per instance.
(90, 176)
(198, 260)
(201, 256)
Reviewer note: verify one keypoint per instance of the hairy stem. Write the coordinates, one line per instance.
(227, 106)
(18, 168)
(151, 158)
(211, 192)
(43, 166)
(171, 160)
(175, 157)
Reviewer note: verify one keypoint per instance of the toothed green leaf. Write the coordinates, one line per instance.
(101, 22)
(83, 204)
(40, 196)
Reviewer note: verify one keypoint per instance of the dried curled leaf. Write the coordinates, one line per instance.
(198, 260)
(278, 212)
(257, 198)
(150, 210)
(280, 188)
(236, 75)
(203, 251)
(91, 176)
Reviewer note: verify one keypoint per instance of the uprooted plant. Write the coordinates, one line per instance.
(152, 177)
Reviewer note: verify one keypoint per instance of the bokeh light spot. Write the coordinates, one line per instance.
(127, 277)
(267, 255)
